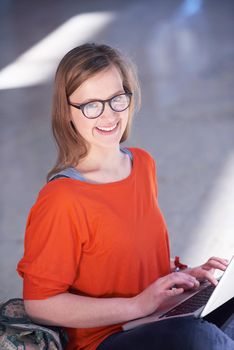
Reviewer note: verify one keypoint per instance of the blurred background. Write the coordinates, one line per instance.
(184, 51)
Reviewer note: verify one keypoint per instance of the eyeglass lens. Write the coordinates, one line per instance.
(117, 103)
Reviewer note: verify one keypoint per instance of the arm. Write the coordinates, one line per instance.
(75, 311)
(70, 310)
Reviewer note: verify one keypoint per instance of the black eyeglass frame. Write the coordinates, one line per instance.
(82, 105)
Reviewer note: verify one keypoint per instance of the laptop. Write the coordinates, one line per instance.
(198, 303)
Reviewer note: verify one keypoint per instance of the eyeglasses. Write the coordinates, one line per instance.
(94, 109)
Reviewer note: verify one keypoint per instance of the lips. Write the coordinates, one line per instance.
(107, 130)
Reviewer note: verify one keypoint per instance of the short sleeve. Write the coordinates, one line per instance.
(36, 288)
(153, 172)
(52, 244)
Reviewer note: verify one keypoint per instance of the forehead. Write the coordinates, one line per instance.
(101, 86)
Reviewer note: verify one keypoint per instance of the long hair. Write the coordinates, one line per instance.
(78, 65)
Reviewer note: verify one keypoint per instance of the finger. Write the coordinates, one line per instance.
(217, 258)
(183, 280)
(180, 279)
(194, 286)
(208, 276)
(216, 263)
(222, 260)
(173, 292)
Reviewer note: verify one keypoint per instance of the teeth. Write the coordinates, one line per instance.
(107, 129)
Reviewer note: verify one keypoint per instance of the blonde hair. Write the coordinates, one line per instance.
(78, 65)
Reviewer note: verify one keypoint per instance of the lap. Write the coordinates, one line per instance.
(174, 334)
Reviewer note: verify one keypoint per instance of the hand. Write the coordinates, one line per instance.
(163, 288)
(206, 271)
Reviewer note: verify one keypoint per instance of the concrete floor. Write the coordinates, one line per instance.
(184, 51)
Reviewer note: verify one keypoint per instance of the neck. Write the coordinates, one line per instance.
(102, 158)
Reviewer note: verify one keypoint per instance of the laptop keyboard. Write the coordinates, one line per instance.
(192, 304)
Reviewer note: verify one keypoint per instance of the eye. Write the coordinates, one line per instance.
(119, 98)
(92, 109)
(92, 105)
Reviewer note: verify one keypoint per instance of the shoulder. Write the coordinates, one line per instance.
(142, 155)
(58, 187)
(56, 194)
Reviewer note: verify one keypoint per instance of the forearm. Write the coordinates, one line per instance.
(70, 310)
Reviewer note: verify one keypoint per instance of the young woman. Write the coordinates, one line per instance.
(96, 244)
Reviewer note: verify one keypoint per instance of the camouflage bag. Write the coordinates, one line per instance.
(19, 332)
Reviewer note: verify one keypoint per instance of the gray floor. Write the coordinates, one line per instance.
(184, 51)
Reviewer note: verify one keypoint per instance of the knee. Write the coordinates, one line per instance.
(202, 335)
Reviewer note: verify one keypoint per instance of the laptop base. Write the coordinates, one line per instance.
(222, 314)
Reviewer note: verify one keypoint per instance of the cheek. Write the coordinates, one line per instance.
(82, 125)
(125, 117)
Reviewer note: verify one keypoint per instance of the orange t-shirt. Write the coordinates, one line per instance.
(100, 240)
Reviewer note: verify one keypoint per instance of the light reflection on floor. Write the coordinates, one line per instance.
(215, 231)
(37, 64)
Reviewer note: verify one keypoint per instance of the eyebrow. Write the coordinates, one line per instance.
(99, 99)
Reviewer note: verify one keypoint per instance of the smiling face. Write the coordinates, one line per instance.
(106, 130)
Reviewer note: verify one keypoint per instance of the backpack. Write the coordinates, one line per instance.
(19, 332)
